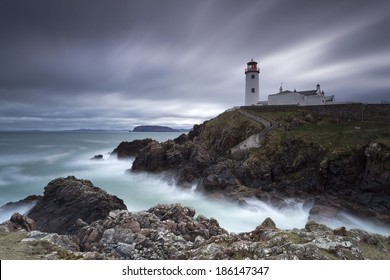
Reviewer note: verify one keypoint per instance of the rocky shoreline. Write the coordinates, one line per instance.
(109, 231)
(348, 175)
(331, 165)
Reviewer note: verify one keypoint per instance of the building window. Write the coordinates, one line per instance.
(253, 76)
(253, 89)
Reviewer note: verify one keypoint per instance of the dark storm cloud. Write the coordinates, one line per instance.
(116, 64)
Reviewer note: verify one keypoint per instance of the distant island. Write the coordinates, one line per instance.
(156, 128)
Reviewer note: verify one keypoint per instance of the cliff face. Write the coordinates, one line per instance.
(334, 163)
(130, 149)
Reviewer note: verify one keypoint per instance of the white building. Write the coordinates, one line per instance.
(300, 98)
(252, 89)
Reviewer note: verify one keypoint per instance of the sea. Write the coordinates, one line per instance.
(29, 160)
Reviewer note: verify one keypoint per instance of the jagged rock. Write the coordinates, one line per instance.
(296, 167)
(20, 221)
(376, 177)
(157, 241)
(312, 226)
(162, 232)
(219, 177)
(174, 231)
(313, 242)
(66, 200)
(268, 224)
(88, 223)
(97, 157)
(130, 149)
(152, 158)
(181, 139)
(342, 231)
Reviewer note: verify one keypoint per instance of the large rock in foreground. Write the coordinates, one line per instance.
(66, 200)
(162, 232)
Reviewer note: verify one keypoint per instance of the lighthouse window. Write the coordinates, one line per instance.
(253, 76)
(253, 89)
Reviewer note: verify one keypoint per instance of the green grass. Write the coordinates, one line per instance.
(342, 136)
(12, 248)
(336, 137)
(280, 116)
(372, 252)
(232, 123)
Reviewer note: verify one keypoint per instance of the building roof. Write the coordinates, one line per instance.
(329, 98)
(305, 92)
(308, 92)
(252, 62)
(283, 92)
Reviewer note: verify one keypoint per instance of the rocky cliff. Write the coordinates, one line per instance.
(335, 164)
(130, 149)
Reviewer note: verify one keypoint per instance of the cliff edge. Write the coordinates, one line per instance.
(333, 163)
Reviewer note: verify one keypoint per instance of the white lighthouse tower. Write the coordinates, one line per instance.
(252, 89)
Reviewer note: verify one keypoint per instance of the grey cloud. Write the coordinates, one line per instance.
(116, 63)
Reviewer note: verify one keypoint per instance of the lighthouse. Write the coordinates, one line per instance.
(252, 89)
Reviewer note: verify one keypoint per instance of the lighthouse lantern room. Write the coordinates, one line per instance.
(252, 89)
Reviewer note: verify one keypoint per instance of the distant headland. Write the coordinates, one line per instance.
(156, 128)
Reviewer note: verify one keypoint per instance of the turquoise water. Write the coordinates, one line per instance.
(29, 160)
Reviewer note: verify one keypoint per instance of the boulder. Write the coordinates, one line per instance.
(341, 231)
(66, 200)
(19, 221)
(97, 157)
(268, 223)
(181, 139)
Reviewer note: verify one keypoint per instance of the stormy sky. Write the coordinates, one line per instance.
(115, 64)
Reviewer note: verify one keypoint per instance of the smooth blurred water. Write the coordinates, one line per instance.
(29, 160)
